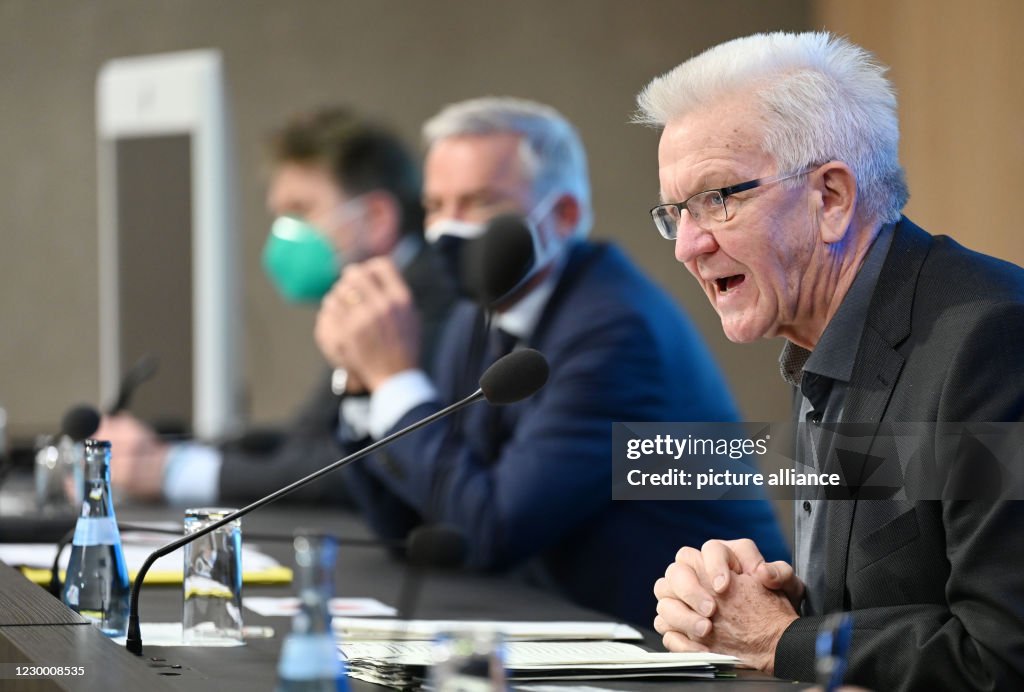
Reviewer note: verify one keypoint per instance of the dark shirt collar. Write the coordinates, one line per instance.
(836, 351)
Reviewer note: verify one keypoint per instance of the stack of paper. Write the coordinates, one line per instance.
(350, 628)
(405, 664)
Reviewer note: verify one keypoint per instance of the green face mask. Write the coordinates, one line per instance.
(299, 261)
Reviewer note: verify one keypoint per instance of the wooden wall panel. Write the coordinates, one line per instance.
(959, 71)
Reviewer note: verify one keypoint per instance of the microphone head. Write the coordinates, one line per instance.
(515, 377)
(497, 261)
(80, 422)
(438, 545)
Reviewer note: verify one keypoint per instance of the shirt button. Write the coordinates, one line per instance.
(807, 506)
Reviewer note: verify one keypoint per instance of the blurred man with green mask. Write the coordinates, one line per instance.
(320, 224)
(342, 190)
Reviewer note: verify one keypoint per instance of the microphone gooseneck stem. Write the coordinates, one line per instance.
(143, 369)
(134, 639)
(55, 583)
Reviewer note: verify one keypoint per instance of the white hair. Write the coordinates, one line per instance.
(550, 152)
(821, 98)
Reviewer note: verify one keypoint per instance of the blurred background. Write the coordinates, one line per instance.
(957, 67)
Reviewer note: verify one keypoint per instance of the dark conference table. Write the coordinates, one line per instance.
(37, 629)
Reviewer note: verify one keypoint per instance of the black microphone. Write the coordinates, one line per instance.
(494, 264)
(514, 377)
(143, 369)
(80, 422)
(433, 546)
(510, 379)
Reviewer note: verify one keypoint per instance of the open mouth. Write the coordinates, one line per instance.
(728, 283)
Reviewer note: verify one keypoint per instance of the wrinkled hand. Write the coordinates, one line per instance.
(137, 456)
(726, 598)
(368, 325)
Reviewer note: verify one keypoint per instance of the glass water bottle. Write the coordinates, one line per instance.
(96, 584)
(309, 658)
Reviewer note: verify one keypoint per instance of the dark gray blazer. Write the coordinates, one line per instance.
(250, 471)
(936, 588)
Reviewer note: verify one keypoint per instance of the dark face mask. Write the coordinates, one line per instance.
(450, 249)
(488, 262)
(495, 265)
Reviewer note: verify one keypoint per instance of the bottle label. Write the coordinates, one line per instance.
(96, 531)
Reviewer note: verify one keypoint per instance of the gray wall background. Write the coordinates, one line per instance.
(401, 60)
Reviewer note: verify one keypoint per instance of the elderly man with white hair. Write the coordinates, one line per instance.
(782, 189)
(530, 484)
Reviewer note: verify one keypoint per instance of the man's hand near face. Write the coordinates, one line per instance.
(368, 325)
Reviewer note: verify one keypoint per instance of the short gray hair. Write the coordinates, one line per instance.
(551, 152)
(821, 98)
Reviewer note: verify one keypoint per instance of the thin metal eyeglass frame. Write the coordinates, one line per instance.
(724, 192)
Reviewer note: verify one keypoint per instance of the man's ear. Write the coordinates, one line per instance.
(383, 219)
(567, 214)
(837, 186)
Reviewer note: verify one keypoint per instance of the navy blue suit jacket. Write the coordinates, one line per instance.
(619, 350)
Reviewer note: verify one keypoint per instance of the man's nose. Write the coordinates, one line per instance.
(692, 241)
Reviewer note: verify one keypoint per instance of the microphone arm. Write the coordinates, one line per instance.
(134, 639)
(143, 369)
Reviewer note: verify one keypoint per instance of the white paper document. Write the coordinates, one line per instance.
(40, 555)
(358, 629)
(543, 655)
(170, 634)
(340, 608)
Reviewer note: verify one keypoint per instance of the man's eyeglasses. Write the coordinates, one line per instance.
(708, 208)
